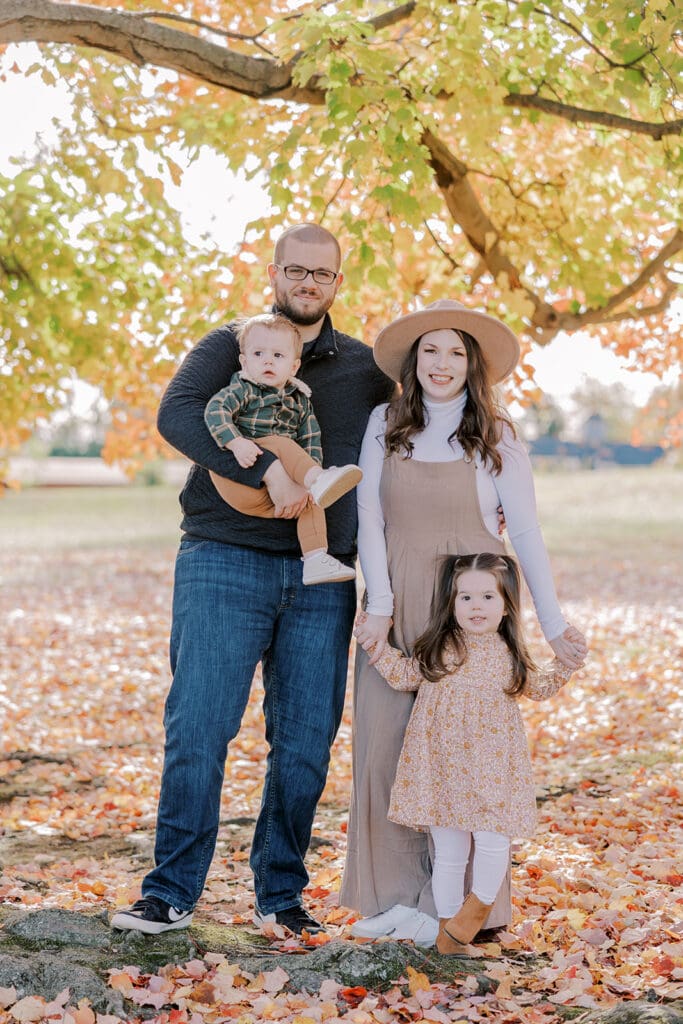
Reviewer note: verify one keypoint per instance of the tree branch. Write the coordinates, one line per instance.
(482, 235)
(142, 42)
(447, 256)
(392, 17)
(134, 36)
(578, 114)
(587, 41)
(14, 271)
(604, 314)
(670, 290)
(215, 30)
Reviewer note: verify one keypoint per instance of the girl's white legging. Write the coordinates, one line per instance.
(452, 851)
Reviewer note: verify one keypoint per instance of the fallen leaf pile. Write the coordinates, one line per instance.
(598, 892)
(213, 990)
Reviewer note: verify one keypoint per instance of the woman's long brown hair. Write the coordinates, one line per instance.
(482, 420)
(443, 627)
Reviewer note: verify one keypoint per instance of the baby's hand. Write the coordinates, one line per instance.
(245, 451)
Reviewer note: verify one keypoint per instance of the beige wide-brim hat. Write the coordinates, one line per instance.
(497, 342)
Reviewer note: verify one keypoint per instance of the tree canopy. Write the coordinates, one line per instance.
(521, 155)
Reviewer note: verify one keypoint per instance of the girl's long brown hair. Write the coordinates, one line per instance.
(443, 627)
(482, 419)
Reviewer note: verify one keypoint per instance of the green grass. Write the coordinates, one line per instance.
(582, 512)
(67, 518)
(613, 511)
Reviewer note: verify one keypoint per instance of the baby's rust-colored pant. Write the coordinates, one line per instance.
(310, 526)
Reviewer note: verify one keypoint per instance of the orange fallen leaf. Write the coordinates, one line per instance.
(83, 1014)
(319, 939)
(204, 992)
(121, 982)
(663, 966)
(353, 996)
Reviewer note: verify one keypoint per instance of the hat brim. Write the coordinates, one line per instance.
(498, 343)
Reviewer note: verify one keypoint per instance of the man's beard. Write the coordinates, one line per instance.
(296, 315)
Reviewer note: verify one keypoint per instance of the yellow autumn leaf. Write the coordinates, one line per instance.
(576, 918)
(175, 171)
(504, 990)
(417, 982)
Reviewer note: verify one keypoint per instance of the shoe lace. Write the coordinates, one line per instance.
(150, 903)
(300, 916)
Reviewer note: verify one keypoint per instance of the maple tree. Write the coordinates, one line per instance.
(663, 415)
(521, 155)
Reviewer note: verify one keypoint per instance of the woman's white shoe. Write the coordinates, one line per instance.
(398, 922)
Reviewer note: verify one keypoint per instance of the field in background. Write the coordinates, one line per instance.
(70, 518)
(620, 511)
(606, 512)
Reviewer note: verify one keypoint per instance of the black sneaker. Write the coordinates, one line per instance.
(295, 918)
(152, 916)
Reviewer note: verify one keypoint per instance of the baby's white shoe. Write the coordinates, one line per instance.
(333, 483)
(325, 568)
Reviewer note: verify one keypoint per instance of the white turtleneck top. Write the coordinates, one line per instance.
(513, 488)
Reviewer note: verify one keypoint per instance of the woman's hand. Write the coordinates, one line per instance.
(371, 632)
(570, 647)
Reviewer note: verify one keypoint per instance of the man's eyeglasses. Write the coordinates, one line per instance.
(320, 276)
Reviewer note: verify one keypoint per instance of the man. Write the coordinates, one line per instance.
(239, 599)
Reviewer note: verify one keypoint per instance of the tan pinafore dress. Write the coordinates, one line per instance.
(430, 509)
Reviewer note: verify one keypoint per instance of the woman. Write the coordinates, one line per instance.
(437, 462)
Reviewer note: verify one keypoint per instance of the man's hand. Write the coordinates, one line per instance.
(570, 647)
(371, 632)
(289, 498)
(245, 451)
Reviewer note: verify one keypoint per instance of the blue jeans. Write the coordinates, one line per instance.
(234, 607)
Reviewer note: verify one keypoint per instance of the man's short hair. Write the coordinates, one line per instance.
(313, 234)
(272, 322)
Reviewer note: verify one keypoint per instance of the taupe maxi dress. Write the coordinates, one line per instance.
(430, 509)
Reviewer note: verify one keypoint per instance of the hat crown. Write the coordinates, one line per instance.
(451, 304)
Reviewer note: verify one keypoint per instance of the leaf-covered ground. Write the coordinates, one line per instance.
(598, 892)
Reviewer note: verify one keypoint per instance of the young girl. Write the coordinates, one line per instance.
(464, 773)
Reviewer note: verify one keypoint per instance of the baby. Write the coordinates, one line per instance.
(265, 407)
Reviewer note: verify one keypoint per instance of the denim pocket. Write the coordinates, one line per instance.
(190, 544)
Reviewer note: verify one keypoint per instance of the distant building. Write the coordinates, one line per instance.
(594, 431)
(552, 451)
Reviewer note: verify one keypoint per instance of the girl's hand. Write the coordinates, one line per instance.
(570, 647)
(371, 632)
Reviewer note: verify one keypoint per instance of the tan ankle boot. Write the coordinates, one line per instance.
(464, 925)
(444, 943)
